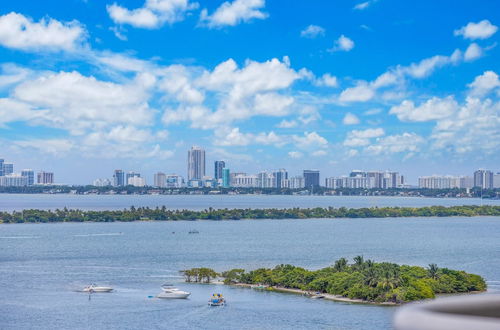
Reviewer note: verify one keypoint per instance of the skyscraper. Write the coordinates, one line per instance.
(131, 175)
(196, 163)
(226, 178)
(119, 178)
(1, 167)
(280, 176)
(30, 175)
(218, 166)
(45, 177)
(483, 179)
(160, 180)
(311, 178)
(8, 168)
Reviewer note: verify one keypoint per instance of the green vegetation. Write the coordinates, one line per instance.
(364, 279)
(164, 214)
(130, 190)
(199, 275)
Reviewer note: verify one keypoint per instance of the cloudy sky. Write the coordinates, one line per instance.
(87, 86)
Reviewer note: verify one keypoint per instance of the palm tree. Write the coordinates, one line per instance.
(371, 277)
(359, 262)
(340, 265)
(389, 279)
(433, 271)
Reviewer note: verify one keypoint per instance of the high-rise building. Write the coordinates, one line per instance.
(483, 178)
(243, 180)
(8, 168)
(266, 180)
(30, 176)
(131, 175)
(218, 166)
(136, 181)
(496, 180)
(226, 178)
(196, 163)
(45, 177)
(118, 178)
(311, 178)
(160, 180)
(1, 167)
(102, 183)
(439, 182)
(174, 181)
(13, 180)
(280, 176)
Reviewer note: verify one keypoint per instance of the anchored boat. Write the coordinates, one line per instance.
(171, 292)
(95, 288)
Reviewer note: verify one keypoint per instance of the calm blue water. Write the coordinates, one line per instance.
(42, 265)
(11, 202)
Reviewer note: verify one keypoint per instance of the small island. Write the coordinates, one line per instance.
(363, 281)
(165, 214)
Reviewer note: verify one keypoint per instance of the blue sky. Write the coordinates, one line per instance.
(90, 86)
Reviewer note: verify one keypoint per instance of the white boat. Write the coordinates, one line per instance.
(170, 292)
(217, 299)
(95, 288)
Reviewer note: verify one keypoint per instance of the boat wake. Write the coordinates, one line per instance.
(103, 234)
(18, 237)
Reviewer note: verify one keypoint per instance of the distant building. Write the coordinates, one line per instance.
(218, 166)
(45, 178)
(354, 182)
(496, 180)
(311, 178)
(8, 168)
(266, 180)
(483, 178)
(439, 182)
(131, 175)
(295, 182)
(160, 180)
(102, 182)
(243, 180)
(280, 176)
(13, 180)
(226, 178)
(136, 181)
(30, 176)
(119, 178)
(196, 163)
(1, 167)
(174, 181)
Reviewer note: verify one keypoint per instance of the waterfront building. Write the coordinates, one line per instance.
(8, 168)
(136, 181)
(226, 178)
(295, 182)
(131, 174)
(496, 180)
(1, 166)
(160, 180)
(118, 178)
(311, 178)
(196, 163)
(30, 175)
(13, 180)
(439, 182)
(102, 182)
(218, 166)
(483, 178)
(466, 182)
(266, 180)
(45, 178)
(356, 182)
(280, 176)
(174, 181)
(243, 180)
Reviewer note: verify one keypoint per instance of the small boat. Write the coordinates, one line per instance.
(95, 288)
(193, 231)
(259, 287)
(217, 300)
(171, 292)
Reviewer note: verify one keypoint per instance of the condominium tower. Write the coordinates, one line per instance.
(196, 163)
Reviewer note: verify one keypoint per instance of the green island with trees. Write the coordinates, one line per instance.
(164, 214)
(364, 280)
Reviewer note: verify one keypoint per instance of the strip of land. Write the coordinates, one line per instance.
(164, 214)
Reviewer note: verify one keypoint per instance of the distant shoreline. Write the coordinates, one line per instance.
(164, 214)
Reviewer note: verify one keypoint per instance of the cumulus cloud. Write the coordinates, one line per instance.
(359, 138)
(484, 83)
(287, 124)
(233, 137)
(20, 32)
(295, 154)
(310, 141)
(432, 109)
(362, 92)
(54, 147)
(473, 52)
(312, 31)
(481, 30)
(234, 13)
(406, 142)
(343, 43)
(153, 14)
(326, 80)
(364, 5)
(350, 119)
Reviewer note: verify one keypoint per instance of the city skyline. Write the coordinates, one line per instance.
(321, 84)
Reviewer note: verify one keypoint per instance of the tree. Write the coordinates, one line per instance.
(433, 271)
(340, 265)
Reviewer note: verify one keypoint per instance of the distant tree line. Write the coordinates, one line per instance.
(364, 279)
(164, 214)
(130, 190)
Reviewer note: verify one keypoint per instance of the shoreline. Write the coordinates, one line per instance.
(326, 296)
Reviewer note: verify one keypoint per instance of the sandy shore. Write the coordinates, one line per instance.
(326, 296)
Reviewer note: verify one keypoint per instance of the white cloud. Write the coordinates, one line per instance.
(12, 74)
(312, 31)
(319, 153)
(343, 43)
(310, 140)
(425, 67)
(406, 142)
(484, 83)
(295, 154)
(47, 146)
(364, 5)
(233, 137)
(350, 119)
(432, 109)
(473, 52)
(13, 110)
(371, 112)
(326, 80)
(287, 124)
(481, 30)
(359, 138)
(20, 32)
(153, 14)
(233, 13)
(362, 92)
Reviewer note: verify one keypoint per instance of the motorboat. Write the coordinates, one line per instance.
(171, 292)
(193, 231)
(96, 288)
(217, 300)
